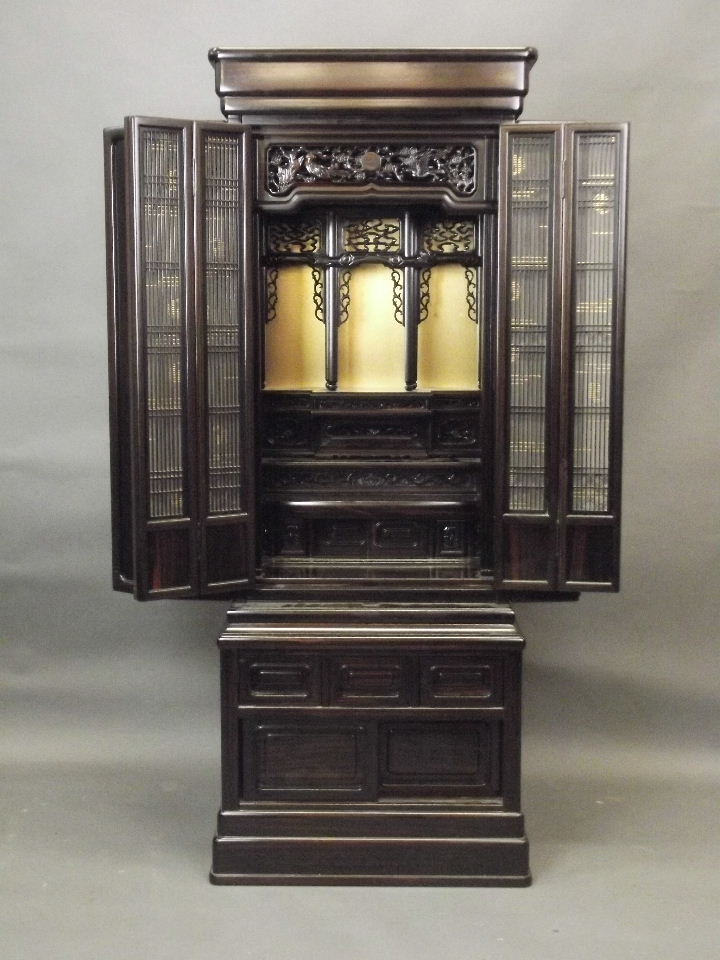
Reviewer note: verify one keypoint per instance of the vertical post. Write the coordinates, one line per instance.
(332, 313)
(411, 299)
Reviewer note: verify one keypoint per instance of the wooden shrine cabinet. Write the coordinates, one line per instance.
(365, 369)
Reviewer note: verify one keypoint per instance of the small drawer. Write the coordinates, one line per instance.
(281, 680)
(461, 681)
(371, 681)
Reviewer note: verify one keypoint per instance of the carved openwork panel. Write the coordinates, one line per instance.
(449, 236)
(371, 234)
(290, 165)
(452, 167)
(364, 476)
(294, 235)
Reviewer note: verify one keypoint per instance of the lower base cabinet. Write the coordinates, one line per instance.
(371, 744)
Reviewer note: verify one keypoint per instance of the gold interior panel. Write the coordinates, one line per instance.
(295, 338)
(371, 344)
(447, 338)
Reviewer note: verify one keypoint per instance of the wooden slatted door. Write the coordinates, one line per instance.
(181, 396)
(559, 349)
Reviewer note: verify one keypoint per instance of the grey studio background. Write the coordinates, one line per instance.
(109, 741)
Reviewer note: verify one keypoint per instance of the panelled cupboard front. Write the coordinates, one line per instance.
(365, 368)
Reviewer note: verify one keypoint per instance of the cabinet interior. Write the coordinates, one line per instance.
(372, 442)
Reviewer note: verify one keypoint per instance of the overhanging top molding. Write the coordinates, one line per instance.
(429, 86)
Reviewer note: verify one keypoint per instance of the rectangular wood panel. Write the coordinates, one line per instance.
(369, 681)
(440, 758)
(460, 681)
(319, 760)
(279, 679)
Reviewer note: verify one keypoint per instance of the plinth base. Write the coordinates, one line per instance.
(404, 845)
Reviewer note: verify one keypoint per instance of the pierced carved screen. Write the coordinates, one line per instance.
(163, 288)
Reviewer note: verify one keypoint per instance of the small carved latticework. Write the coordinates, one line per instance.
(271, 294)
(424, 294)
(344, 310)
(371, 235)
(397, 296)
(271, 301)
(294, 235)
(449, 236)
(318, 294)
(471, 295)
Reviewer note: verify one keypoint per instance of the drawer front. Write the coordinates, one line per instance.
(307, 760)
(369, 681)
(280, 680)
(461, 681)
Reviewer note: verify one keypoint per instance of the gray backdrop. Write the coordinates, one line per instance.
(109, 728)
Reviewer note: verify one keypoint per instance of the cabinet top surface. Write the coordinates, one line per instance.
(439, 54)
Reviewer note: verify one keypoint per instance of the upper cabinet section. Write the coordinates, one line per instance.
(401, 86)
(369, 340)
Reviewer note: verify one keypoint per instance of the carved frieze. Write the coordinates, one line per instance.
(293, 165)
(337, 430)
(359, 402)
(367, 478)
(463, 401)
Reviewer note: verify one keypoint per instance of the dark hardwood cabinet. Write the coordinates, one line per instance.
(365, 381)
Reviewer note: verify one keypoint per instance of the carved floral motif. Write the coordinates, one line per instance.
(457, 432)
(291, 165)
(370, 478)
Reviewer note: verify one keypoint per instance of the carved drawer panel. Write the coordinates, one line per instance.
(367, 477)
(280, 680)
(369, 681)
(315, 760)
(440, 758)
(461, 681)
(372, 433)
